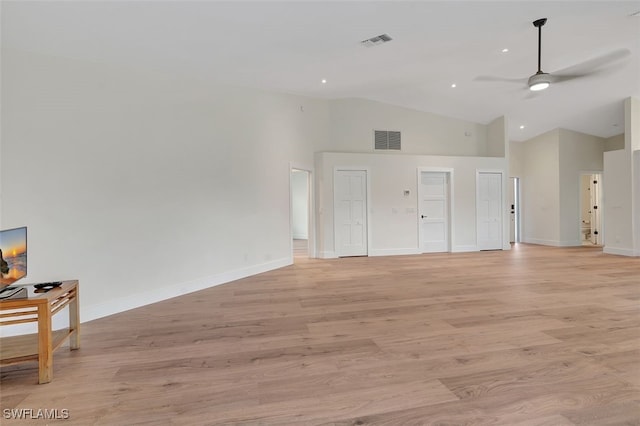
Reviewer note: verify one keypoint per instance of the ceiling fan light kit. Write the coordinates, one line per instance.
(539, 81)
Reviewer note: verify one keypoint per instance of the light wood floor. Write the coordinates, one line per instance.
(300, 250)
(532, 336)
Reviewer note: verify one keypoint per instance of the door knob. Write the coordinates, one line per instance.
(422, 216)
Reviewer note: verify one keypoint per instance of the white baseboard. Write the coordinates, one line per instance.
(572, 243)
(141, 299)
(131, 301)
(619, 251)
(393, 252)
(327, 255)
(464, 249)
(300, 236)
(554, 243)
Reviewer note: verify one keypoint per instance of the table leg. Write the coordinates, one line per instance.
(74, 321)
(45, 352)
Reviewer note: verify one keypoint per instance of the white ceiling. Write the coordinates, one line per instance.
(290, 46)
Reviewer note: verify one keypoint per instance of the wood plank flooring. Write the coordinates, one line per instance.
(531, 336)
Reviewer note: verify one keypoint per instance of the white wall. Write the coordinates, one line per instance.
(636, 198)
(579, 153)
(393, 218)
(632, 132)
(354, 120)
(144, 187)
(622, 188)
(617, 203)
(300, 204)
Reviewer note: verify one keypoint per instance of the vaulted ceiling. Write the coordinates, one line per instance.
(292, 46)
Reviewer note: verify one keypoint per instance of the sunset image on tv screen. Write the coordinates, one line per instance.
(13, 255)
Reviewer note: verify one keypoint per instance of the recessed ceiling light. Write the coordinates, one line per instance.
(324, 81)
(453, 85)
(505, 50)
(521, 127)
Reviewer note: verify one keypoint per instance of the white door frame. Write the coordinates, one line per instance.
(504, 229)
(311, 223)
(516, 210)
(601, 198)
(367, 173)
(451, 211)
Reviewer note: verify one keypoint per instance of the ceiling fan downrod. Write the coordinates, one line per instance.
(538, 23)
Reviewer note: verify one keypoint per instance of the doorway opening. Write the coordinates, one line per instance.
(514, 202)
(300, 213)
(590, 209)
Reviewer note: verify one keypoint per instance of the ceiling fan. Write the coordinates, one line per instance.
(542, 80)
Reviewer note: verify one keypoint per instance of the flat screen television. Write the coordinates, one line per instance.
(13, 255)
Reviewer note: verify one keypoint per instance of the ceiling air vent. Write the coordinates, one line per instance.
(374, 41)
(385, 139)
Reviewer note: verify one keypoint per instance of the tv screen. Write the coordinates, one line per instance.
(13, 255)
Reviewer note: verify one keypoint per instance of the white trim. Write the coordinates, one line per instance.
(620, 251)
(327, 255)
(153, 295)
(504, 233)
(464, 249)
(451, 213)
(570, 243)
(537, 241)
(394, 252)
(132, 301)
(367, 171)
(517, 199)
(553, 243)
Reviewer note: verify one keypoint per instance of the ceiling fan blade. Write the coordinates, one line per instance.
(500, 79)
(590, 66)
(533, 95)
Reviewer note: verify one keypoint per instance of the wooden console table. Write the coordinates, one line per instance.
(40, 308)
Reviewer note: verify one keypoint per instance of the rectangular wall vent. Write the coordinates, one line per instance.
(374, 41)
(387, 139)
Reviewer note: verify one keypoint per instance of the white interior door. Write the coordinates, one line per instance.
(489, 211)
(350, 212)
(434, 211)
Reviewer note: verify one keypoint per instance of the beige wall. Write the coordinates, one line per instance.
(579, 153)
(614, 142)
(354, 120)
(496, 138)
(540, 206)
(550, 167)
(516, 159)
